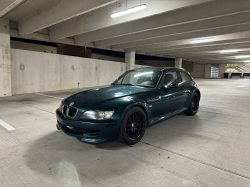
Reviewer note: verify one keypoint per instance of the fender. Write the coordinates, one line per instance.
(140, 104)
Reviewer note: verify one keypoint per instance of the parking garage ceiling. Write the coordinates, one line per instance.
(196, 30)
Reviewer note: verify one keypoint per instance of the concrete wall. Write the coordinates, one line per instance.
(38, 72)
(222, 70)
(207, 71)
(73, 50)
(140, 66)
(5, 60)
(204, 70)
(155, 63)
(231, 70)
(199, 71)
(106, 57)
(189, 66)
(32, 47)
(49, 49)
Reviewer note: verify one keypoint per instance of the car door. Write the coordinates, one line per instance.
(185, 86)
(172, 97)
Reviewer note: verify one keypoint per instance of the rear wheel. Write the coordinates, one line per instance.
(194, 105)
(133, 126)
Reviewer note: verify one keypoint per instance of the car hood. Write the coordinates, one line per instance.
(93, 97)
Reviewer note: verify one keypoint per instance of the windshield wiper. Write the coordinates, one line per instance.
(145, 86)
(127, 84)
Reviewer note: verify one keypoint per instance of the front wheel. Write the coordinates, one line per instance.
(133, 126)
(193, 106)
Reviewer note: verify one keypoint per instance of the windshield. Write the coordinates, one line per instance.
(145, 78)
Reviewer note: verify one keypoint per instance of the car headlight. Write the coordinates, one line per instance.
(60, 107)
(97, 115)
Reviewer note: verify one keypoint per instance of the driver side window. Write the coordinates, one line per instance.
(169, 78)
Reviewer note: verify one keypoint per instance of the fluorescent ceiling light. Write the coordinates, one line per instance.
(202, 40)
(229, 51)
(242, 56)
(128, 11)
(247, 61)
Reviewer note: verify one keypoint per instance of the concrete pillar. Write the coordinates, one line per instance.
(178, 62)
(130, 60)
(207, 71)
(5, 60)
(222, 70)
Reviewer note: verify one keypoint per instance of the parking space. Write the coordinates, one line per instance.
(209, 149)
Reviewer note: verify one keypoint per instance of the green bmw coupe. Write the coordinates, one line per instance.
(122, 111)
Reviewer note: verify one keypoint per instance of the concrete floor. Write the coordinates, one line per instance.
(209, 149)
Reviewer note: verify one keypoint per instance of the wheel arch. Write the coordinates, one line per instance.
(199, 94)
(143, 108)
(140, 105)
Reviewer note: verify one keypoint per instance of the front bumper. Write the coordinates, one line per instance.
(94, 132)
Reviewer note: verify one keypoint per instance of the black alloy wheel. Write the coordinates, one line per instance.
(133, 126)
(194, 105)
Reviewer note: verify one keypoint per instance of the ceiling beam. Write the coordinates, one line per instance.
(208, 56)
(4, 26)
(239, 32)
(186, 45)
(205, 48)
(180, 16)
(211, 57)
(62, 11)
(8, 5)
(101, 19)
(40, 37)
(209, 61)
(208, 24)
(204, 57)
(217, 33)
(45, 37)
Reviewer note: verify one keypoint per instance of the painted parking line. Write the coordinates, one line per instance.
(6, 126)
(240, 86)
(50, 96)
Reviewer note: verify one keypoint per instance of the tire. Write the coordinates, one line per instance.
(133, 126)
(193, 106)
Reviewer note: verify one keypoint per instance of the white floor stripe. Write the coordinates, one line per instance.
(6, 126)
(49, 96)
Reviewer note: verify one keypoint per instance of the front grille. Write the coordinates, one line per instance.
(69, 111)
(64, 110)
(72, 112)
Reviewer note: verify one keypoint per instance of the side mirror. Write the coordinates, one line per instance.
(173, 85)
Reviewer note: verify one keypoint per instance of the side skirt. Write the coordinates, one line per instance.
(165, 116)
